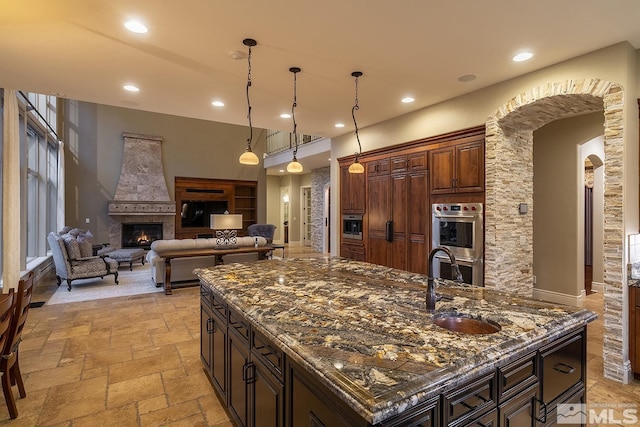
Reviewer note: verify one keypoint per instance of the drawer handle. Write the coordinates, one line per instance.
(542, 419)
(563, 368)
(248, 375)
(211, 326)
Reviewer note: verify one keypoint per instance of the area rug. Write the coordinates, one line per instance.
(133, 282)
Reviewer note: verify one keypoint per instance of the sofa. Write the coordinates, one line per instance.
(182, 268)
(73, 257)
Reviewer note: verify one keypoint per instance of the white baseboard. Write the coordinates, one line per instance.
(558, 298)
(597, 286)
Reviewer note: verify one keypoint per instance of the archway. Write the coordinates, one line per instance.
(509, 182)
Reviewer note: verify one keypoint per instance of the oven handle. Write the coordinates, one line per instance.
(455, 216)
(461, 261)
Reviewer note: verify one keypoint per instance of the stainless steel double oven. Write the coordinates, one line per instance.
(459, 227)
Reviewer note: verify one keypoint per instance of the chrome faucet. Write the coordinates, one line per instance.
(431, 286)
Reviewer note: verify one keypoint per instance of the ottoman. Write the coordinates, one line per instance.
(127, 255)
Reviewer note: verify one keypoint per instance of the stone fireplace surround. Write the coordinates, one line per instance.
(142, 195)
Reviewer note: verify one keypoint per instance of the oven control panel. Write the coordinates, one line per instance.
(457, 208)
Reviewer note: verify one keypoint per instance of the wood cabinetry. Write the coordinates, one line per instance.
(353, 250)
(457, 169)
(397, 213)
(634, 330)
(352, 191)
(262, 386)
(198, 198)
(245, 370)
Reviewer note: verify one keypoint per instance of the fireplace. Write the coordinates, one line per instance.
(142, 197)
(140, 235)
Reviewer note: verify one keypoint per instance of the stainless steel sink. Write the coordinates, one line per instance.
(467, 325)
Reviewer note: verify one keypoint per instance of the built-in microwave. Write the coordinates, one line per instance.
(352, 227)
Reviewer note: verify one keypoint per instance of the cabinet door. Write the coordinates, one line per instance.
(519, 411)
(267, 408)
(417, 222)
(239, 373)
(206, 332)
(398, 196)
(379, 213)
(441, 164)
(469, 171)
(219, 355)
(352, 191)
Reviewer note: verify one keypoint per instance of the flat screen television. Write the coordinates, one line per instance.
(196, 213)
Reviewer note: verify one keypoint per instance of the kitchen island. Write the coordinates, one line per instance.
(330, 341)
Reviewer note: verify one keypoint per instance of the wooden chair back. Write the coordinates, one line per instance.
(22, 304)
(6, 315)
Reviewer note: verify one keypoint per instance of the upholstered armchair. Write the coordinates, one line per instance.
(262, 230)
(73, 259)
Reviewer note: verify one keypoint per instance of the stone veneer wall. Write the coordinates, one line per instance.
(320, 178)
(509, 181)
(142, 195)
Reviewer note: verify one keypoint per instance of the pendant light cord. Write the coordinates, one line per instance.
(249, 101)
(356, 107)
(293, 112)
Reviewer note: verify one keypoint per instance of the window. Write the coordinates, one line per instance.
(38, 173)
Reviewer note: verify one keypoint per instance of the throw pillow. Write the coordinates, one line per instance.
(73, 248)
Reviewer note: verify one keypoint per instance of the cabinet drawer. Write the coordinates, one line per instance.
(517, 376)
(469, 400)
(398, 164)
(417, 161)
(205, 295)
(561, 365)
(238, 324)
(577, 397)
(269, 354)
(219, 307)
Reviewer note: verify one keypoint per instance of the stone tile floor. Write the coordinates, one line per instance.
(135, 361)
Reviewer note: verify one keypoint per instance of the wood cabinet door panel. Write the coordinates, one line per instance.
(237, 370)
(469, 168)
(441, 166)
(377, 250)
(379, 203)
(398, 198)
(268, 398)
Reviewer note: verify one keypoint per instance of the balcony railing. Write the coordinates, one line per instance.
(278, 141)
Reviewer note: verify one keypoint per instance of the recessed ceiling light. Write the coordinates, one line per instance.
(217, 104)
(136, 27)
(285, 115)
(281, 171)
(131, 88)
(467, 78)
(339, 125)
(407, 99)
(523, 56)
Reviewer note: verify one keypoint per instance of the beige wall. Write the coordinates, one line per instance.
(191, 148)
(617, 63)
(558, 187)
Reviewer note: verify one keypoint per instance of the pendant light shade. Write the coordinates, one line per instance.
(356, 166)
(294, 166)
(249, 157)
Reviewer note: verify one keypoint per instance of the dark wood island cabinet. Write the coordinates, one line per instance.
(332, 342)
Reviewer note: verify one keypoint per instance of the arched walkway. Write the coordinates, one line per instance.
(509, 181)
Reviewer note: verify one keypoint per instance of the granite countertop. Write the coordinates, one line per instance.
(363, 330)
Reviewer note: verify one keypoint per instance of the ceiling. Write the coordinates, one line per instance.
(80, 49)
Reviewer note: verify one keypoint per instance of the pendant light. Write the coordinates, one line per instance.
(249, 157)
(356, 166)
(294, 166)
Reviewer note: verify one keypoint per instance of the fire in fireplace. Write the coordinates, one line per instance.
(140, 235)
